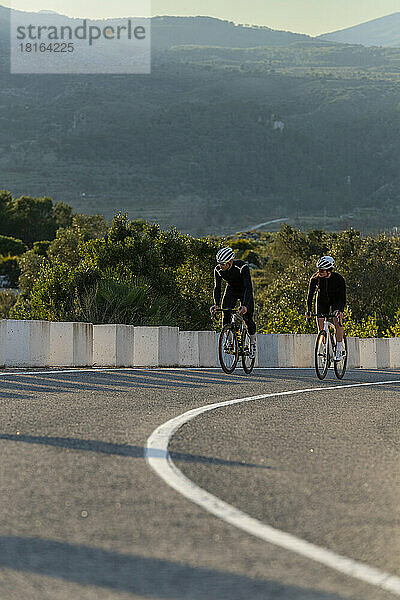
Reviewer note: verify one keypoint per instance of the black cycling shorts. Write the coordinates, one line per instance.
(324, 309)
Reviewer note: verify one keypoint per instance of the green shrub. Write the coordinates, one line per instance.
(8, 298)
(41, 248)
(136, 274)
(10, 246)
(10, 268)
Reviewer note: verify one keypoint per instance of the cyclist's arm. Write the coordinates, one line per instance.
(311, 291)
(248, 287)
(217, 287)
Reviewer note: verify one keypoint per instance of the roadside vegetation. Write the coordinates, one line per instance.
(136, 273)
(284, 262)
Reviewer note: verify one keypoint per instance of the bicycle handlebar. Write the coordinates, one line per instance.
(237, 313)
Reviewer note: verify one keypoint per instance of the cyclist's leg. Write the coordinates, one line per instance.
(248, 318)
(322, 310)
(228, 301)
(339, 329)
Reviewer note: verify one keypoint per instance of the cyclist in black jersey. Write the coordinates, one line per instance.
(239, 287)
(331, 297)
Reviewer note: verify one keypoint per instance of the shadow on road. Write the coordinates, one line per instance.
(122, 450)
(148, 577)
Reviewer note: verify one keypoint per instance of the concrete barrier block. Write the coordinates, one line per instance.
(189, 350)
(286, 349)
(353, 350)
(71, 344)
(208, 349)
(267, 350)
(304, 346)
(169, 346)
(25, 343)
(145, 350)
(3, 342)
(368, 358)
(382, 353)
(394, 353)
(113, 345)
(156, 347)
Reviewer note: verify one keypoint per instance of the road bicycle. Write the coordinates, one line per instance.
(325, 351)
(234, 342)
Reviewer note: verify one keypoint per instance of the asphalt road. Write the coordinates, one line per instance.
(84, 517)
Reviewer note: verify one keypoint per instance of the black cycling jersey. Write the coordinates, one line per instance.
(239, 280)
(331, 293)
(239, 288)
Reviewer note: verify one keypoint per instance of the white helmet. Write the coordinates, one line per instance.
(326, 262)
(225, 255)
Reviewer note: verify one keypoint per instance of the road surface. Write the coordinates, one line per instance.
(84, 516)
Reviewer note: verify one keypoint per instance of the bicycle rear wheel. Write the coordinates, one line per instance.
(340, 365)
(321, 355)
(247, 362)
(228, 349)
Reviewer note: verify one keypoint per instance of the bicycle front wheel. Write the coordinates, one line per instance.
(340, 365)
(228, 349)
(321, 355)
(247, 362)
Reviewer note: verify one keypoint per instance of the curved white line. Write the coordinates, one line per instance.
(160, 461)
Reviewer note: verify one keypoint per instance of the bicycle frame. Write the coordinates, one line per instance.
(239, 324)
(329, 328)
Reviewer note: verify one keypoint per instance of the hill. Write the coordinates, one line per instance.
(384, 32)
(216, 138)
(176, 31)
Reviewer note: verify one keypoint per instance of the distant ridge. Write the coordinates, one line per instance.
(384, 31)
(208, 31)
(201, 30)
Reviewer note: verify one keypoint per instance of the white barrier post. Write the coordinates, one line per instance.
(25, 343)
(156, 347)
(286, 349)
(382, 353)
(353, 350)
(113, 345)
(368, 353)
(189, 350)
(394, 353)
(71, 344)
(3, 342)
(267, 350)
(208, 349)
(304, 345)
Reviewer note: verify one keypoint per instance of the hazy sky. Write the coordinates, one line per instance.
(301, 16)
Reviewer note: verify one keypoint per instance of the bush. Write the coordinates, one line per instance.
(370, 265)
(10, 246)
(41, 248)
(10, 268)
(8, 298)
(137, 274)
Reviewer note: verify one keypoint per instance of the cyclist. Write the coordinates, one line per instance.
(239, 287)
(331, 298)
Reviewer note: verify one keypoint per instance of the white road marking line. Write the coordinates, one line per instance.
(162, 464)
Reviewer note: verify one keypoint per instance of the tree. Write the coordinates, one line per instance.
(11, 246)
(10, 268)
(136, 274)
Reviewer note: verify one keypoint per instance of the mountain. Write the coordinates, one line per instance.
(208, 31)
(203, 31)
(384, 31)
(216, 138)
